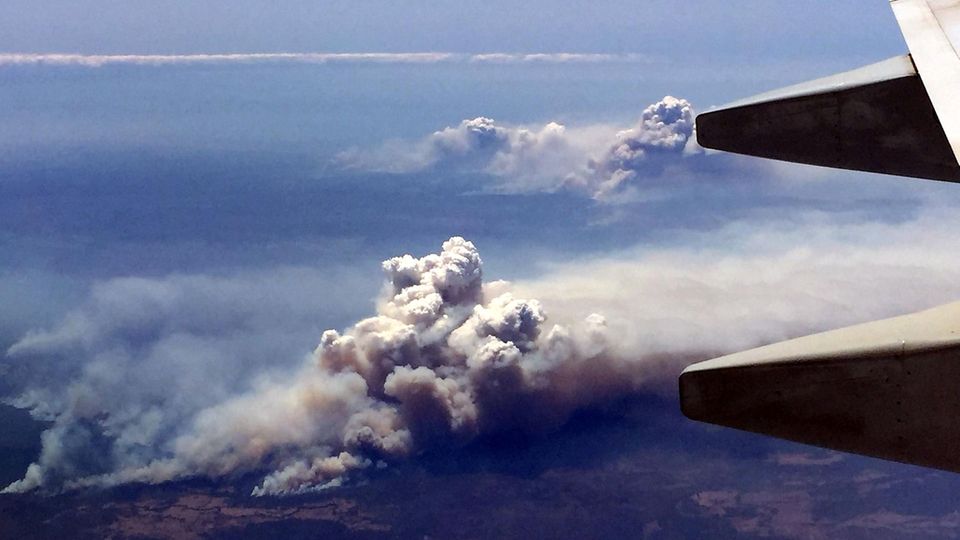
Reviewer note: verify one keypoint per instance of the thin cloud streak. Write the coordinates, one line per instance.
(100, 60)
(555, 58)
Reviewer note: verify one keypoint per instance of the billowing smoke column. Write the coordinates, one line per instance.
(599, 161)
(664, 132)
(446, 359)
(154, 380)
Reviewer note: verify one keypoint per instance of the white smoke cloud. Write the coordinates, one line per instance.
(447, 357)
(664, 134)
(100, 60)
(601, 161)
(755, 282)
(524, 159)
(445, 360)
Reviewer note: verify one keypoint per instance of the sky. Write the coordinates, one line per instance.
(192, 195)
(657, 27)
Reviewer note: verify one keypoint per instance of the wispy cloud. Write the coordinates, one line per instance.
(803, 459)
(99, 60)
(556, 58)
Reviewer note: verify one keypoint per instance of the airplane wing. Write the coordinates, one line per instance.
(888, 389)
(900, 116)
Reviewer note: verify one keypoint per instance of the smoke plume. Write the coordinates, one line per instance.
(601, 161)
(445, 360)
(158, 380)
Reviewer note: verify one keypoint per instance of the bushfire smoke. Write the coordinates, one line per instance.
(446, 359)
(600, 161)
(162, 386)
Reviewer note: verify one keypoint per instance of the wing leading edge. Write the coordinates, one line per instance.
(930, 28)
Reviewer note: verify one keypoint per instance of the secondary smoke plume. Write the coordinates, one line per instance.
(600, 161)
(664, 133)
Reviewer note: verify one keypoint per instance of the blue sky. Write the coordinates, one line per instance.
(205, 220)
(767, 29)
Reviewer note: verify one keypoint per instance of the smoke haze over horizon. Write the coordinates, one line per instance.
(173, 270)
(431, 270)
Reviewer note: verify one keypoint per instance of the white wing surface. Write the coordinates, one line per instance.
(932, 31)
